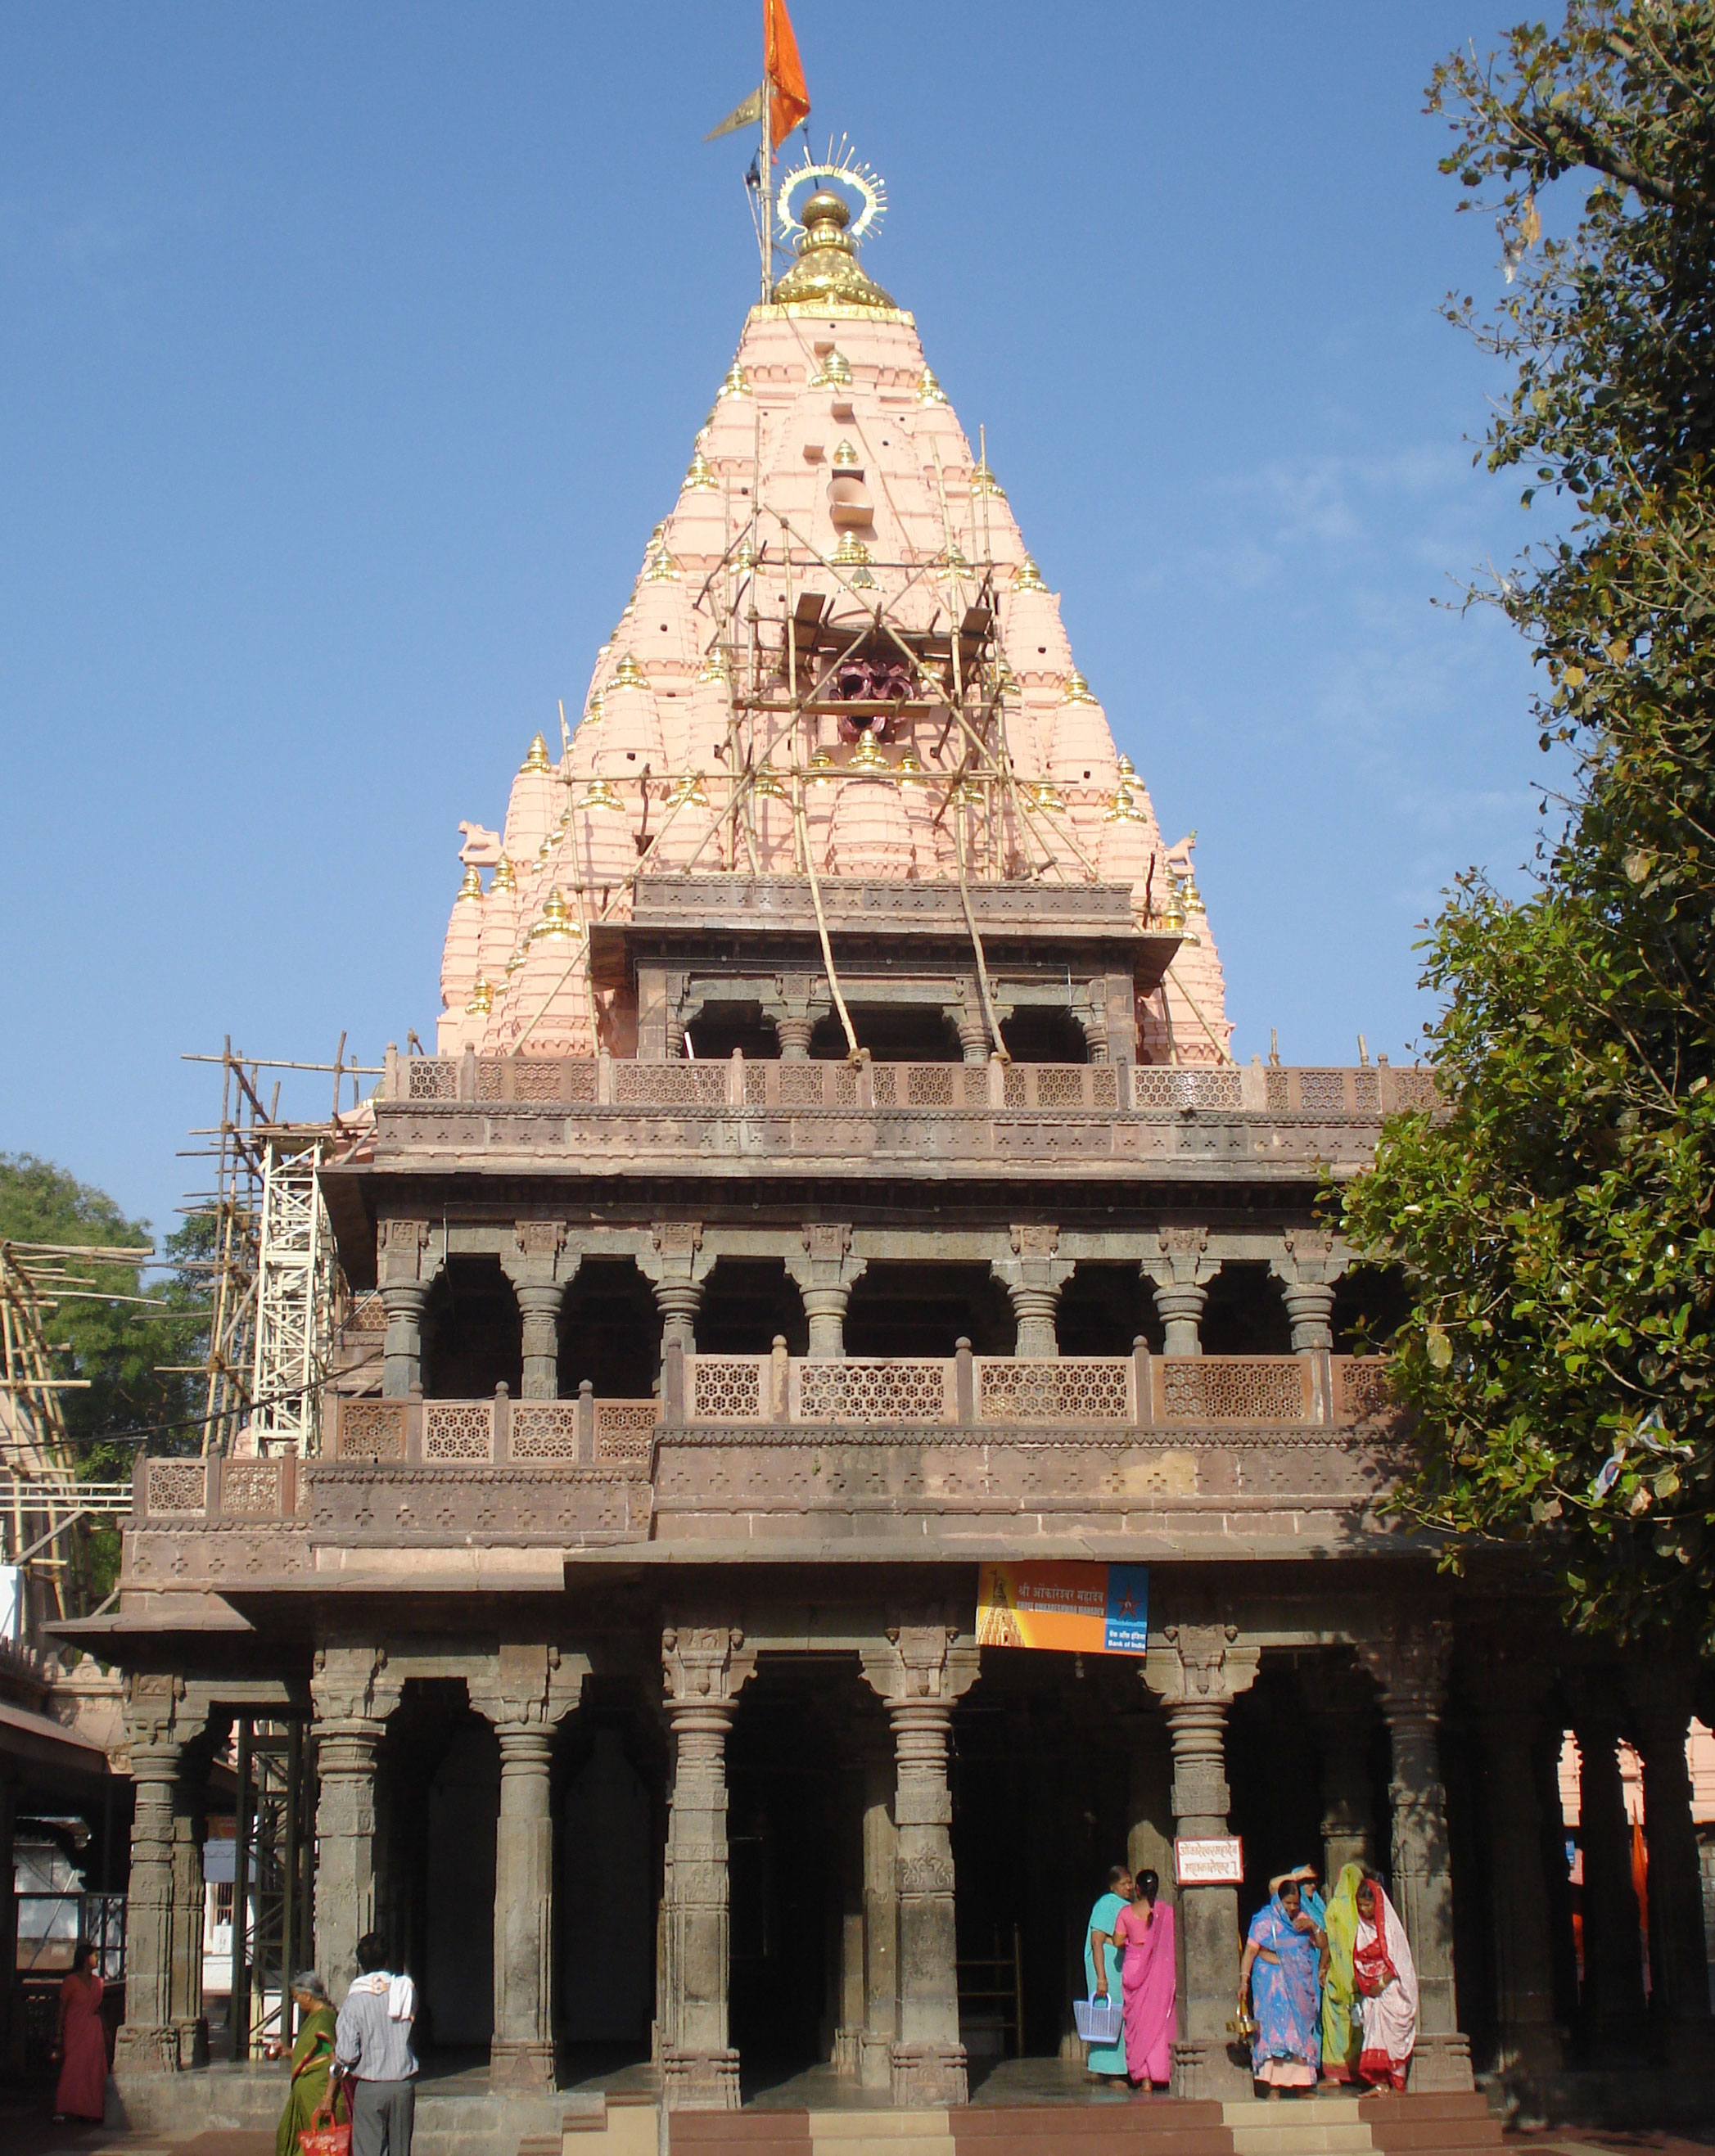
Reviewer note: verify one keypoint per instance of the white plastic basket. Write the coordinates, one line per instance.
(1100, 2020)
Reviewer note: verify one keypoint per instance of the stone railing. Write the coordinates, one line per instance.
(775, 1086)
(1140, 1390)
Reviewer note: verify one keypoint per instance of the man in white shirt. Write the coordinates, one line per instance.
(372, 2053)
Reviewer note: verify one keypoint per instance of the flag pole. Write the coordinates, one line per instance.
(767, 168)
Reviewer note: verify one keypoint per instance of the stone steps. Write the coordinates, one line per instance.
(1297, 2126)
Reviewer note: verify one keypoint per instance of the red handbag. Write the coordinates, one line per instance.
(321, 2137)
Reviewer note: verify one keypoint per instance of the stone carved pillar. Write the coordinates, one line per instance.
(1033, 1278)
(163, 2030)
(919, 1672)
(880, 1923)
(353, 1694)
(1306, 1268)
(1612, 2008)
(971, 1026)
(676, 1267)
(541, 1272)
(1662, 1686)
(704, 1669)
(799, 1003)
(1179, 1272)
(406, 1274)
(1197, 1674)
(1345, 1709)
(1410, 1663)
(1508, 1698)
(525, 1698)
(826, 1276)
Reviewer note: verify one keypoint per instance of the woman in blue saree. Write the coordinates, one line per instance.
(1282, 1981)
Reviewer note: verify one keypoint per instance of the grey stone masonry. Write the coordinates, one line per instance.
(354, 1693)
(164, 2028)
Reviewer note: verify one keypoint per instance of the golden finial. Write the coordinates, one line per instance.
(737, 381)
(867, 756)
(845, 458)
(821, 767)
(470, 888)
(744, 555)
(716, 666)
(1121, 808)
(627, 674)
(555, 926)
(537, 759)
(766, 782)
(505, 877)
(1126, 767)
(514, 964)
(689, 791)
(1027, 577)
(1173, 914)
(951, 562)
(700, 478)
(852, 553)
(482, 1000)
(1189, 892)
(1077, 689)
(929, 390)
(1046, 795)
(599, 794)
(909, 769)
(833, 370)
(544, 851)
(593, 710)
(1004, 679)
(663, 569)
(983, 481)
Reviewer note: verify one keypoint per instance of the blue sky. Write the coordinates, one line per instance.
(348, 354)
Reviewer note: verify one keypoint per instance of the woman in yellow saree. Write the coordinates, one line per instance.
(1342, 2032)
(312, 2059)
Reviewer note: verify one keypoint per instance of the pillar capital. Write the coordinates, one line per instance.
(1033, 1278)
(825, 1273)
(1179, 1270)
(1200, 1663)
(352, 1689)
(703, 1667)
(527, 1690)
(799, 1001)
(1306, 1265)
(402, 1253)
(1409, 1661)
(924, 1664)
(536, 1254)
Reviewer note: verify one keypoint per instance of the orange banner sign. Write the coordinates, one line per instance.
(1074, 1609)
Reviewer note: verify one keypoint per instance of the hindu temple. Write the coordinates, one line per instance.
(831, 1179)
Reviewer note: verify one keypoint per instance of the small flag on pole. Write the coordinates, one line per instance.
(742, 115)
(791, 100)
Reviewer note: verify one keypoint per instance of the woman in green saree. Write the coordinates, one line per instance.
(1342, 2030)
(312, 2060)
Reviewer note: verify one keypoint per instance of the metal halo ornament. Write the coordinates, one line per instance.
(843, 168)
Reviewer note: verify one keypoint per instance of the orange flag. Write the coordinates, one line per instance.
(790, 99)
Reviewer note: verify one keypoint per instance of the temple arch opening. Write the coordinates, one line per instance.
(1246, 1313)
(1045, 1036)
(899, 1307)
(473, 1336)
(611, 1831)
(723, 1028)
(610, 1331)
(747, 1303)
(892, 1033)
(1371, 1303)
(1104, 1309)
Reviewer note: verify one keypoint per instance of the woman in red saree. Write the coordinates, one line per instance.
(1144, 1934)
(82, 2048)
(1385, 1979)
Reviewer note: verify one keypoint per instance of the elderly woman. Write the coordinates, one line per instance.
(312, 2060)
(1281, 1979)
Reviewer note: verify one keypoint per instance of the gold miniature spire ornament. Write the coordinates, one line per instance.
(929, 390)
(1027, 577)
(1173, 914)
(908, 770)
(1044, 794)
(555, 926)
(470, 888)
(867, 756)
(983, 481)
(1077, 689)
(516, 963)
(737, 383)
(689, 791)
(599, 794)
(627, 674)
(715, 666)
(821, 767)
(833, 370)
(701, 477)
(766, 782)
(537, 757)
(505, 877)
(593, 710)
(482, 1000)
(663, 569)
(852, 553)
(846, 458)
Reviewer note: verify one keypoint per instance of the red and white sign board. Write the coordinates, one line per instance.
(1217, 1861)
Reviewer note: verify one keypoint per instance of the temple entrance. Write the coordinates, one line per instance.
(610, 1331)
(1060, 1771)
(900, 1308)
(610, 1829)
(472, 1338)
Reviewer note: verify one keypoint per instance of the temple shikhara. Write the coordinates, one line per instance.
(831, 1193)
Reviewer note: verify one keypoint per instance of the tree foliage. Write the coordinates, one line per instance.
(1556, 1225)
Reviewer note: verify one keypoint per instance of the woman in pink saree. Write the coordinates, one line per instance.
(1144, 1934)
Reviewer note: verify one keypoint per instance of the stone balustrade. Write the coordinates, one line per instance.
(771, 1086)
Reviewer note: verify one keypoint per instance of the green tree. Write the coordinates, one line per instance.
(1555, 1225)
(112, 1332)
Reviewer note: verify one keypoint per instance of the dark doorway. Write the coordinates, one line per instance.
(1245, 1314)
(610, 1831)
(1102, 1310)
(746, 1302)
(891, 1035)
(610, 1331)
(1371, 1303)
(724, 1027)
(472, 1337)
(901, 1308)
(782, 1820)
(1273, 1769)
(1045, 1036)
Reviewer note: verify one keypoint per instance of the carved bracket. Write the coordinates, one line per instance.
(933, 1661)
(704, 1663)
(531, 1688)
